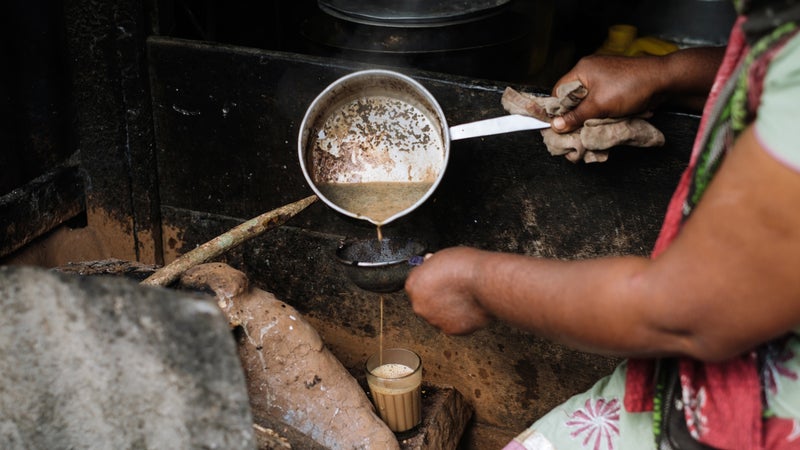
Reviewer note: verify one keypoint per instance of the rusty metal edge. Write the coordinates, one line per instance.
(37, 207)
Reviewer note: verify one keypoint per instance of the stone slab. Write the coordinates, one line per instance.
(102, 362)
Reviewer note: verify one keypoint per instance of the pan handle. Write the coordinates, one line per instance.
(497, 125)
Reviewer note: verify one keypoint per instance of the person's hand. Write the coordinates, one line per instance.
(618, 86)
(440, 291)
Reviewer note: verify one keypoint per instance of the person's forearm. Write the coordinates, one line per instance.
(726, 284)
(688, 74)
(592, 305)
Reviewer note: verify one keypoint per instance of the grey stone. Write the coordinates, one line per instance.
(103, 363)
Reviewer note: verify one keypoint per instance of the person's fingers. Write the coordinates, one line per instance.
(568, 78)
(559, 124)
(571, 120)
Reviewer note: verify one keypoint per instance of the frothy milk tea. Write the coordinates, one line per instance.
(376, 200)
(396, 388)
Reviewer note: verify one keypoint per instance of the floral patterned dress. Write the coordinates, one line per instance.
(597, 419)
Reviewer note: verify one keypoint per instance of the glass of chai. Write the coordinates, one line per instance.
(395, 381)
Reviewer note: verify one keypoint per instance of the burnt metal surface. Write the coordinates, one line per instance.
(114, 120)
(227, 121)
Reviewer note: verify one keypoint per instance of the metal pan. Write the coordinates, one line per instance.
(374, 144)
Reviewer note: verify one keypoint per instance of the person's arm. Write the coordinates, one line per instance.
(620, 86)
(726, 284)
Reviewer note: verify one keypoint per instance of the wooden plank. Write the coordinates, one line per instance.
(445, 415)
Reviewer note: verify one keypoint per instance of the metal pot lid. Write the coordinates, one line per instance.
(498, 29)
(419, 13)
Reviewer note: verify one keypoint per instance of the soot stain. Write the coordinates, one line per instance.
(527, 371)
(369, 330)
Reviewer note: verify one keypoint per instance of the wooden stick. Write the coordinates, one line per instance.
(226, 241)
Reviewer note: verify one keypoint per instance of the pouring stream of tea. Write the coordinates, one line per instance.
(377, 201)
(380, 339)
